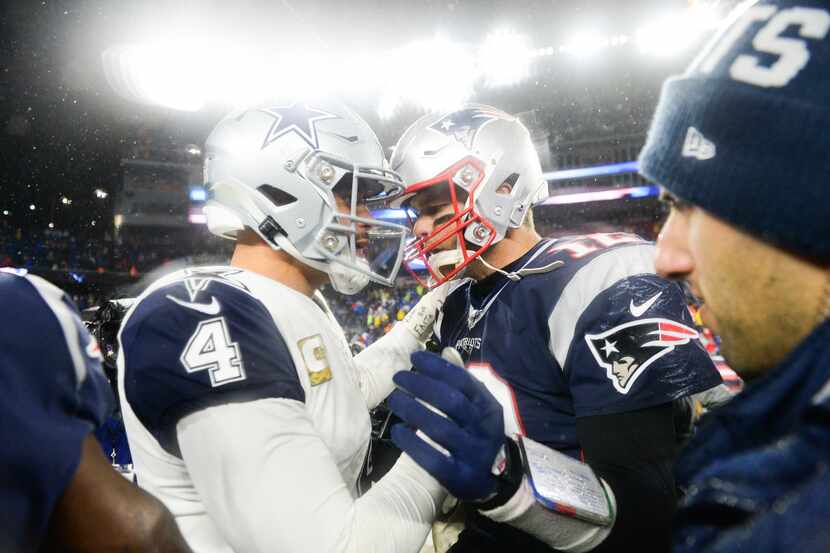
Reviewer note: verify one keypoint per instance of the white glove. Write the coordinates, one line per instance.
(421, 317)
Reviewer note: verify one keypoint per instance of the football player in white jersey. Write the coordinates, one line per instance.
(245, 411)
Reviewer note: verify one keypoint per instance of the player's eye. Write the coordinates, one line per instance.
(669, 201)
(442, 220)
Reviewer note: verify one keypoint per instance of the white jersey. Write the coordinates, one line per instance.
(248, 417)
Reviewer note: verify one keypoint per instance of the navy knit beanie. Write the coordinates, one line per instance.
(745, 132)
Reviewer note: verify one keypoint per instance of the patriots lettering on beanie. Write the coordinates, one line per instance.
(744, 133)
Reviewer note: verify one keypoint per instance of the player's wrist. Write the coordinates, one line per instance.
(421, 318)
(507, 482)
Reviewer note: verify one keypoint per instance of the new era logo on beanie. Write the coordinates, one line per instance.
(697, 146)
(743, 133)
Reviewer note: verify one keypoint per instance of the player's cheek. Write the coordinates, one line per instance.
(444, 239)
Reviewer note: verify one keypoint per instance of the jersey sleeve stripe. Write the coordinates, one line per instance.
(586, 284)
(54, 299)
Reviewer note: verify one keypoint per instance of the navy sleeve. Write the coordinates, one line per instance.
(54, 394)
(181, 356)
(636, 346)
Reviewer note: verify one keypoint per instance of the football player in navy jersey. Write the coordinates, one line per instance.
(58, 491)
(587, 349)
(245, 411)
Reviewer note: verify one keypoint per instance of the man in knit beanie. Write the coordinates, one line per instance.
(740, 144)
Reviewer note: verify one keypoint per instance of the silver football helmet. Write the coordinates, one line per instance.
(280, 169)
(477, 149)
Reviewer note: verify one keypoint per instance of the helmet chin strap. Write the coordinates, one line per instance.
(516, 276)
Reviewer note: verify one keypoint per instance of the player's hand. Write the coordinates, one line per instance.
(472, 431)
(421, 317)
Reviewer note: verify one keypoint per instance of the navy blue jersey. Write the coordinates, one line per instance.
(592, 331)
(184, 349)
(54, 394)
(113, 439)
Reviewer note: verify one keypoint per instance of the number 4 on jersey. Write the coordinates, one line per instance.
(210, 349)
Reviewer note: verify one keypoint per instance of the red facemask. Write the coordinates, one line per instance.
(467, 174)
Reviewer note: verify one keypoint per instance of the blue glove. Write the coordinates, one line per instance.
(473, 433)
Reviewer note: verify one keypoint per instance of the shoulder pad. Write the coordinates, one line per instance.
(181, 355)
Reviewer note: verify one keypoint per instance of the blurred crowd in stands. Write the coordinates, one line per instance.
(98, 265)
(367, 316)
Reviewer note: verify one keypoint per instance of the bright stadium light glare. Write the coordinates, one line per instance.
(504, 58)
(704, 16)
(434, 74)
(189, 74)
(293, 73)
(170, 74)
(388, 105)
(585, 44)
(674, 34)
(362, 71)
(198, 194)
(666, 37)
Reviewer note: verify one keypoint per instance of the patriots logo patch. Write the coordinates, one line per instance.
(464, 124)
(297, 118)
(627, 350)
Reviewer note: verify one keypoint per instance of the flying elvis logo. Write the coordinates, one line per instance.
(627, 350)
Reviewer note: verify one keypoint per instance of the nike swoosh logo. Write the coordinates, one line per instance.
(638, 310)
(211, 308)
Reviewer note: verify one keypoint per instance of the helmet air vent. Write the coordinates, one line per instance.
(278, 197)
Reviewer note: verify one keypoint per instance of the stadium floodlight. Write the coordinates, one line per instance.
(101, 194)
(169, 74)
(434, 74)
(5, 212)
(504, 58)
(64, 201)
(198, 194)
(189, 74)
(31, 207)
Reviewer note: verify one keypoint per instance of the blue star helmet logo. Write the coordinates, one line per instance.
(464, 124)
(297, 118)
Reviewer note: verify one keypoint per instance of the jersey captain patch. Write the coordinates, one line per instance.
(627, 350)
(316, 359)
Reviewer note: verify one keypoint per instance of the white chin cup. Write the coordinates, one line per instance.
(446, 258)
(346, 280)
